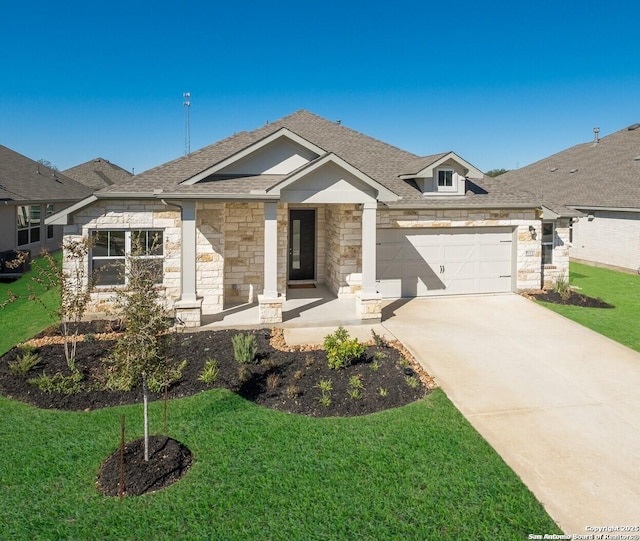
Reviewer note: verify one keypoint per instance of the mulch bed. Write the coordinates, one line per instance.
(285, 379)
(573, 299)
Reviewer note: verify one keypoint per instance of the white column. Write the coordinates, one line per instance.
(271, 250)
(369, 248)
(188, 251)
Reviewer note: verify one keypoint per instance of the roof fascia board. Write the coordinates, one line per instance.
(384, 194)
(612, 209)
(282, 132)
(62, 217)
(453, 206)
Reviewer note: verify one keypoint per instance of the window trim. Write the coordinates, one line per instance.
(128, 233)
(49, 211)
(445, 187)
(550, 244)
(29, 228)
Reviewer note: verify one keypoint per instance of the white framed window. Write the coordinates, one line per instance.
(28, 222)
(548, 234)
(445, 180)
(110, 249)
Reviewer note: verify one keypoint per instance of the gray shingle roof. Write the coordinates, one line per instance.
(602, 174)
(98, 173)
(23, 180)
(380, 161)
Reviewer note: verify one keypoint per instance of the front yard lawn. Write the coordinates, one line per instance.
(617, 288)
(416, 472)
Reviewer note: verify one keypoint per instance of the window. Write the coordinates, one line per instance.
(111, 248)
(48, 212)
(28, 224)
(547, 243)
(445, 178)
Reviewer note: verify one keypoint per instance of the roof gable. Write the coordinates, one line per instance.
(279, 153)
(424, 167)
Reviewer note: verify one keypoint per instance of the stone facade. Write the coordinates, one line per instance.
(230, 247)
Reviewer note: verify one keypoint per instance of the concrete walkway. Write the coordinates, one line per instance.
(557, 401)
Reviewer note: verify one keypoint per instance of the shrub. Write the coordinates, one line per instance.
(383, 392)
(58, 383)
(245, 348)
(561, 287)
(342, 352)
(210, 372)
(292, 391)
(167, 377)
(379, 341)
(272, 381)
(24, 363)
(413, 382)
(244, 373)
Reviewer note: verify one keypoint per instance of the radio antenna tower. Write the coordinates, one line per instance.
(187, 128)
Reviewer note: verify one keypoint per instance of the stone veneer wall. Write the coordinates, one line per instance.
(243, 233)
(529, 250)
(343, 262)
(105, 214)
(209, 256)
(561, 247)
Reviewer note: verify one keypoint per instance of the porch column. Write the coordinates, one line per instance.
(188, 308)
(270, 303)
(368, 300)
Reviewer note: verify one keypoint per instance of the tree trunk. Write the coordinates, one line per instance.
(145, 402)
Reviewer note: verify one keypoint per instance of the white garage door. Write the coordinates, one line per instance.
(418, 262)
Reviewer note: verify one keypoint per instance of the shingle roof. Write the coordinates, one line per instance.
(380, 161)
(596, 174)
(24, 180)
(98, 173)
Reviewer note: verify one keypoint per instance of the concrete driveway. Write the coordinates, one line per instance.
(557, 401)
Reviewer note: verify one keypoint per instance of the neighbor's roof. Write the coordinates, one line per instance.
(380, 161)
(597, 174)
(23, 180)
(98, 173)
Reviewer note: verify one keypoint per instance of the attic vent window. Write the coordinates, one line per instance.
(573, 170)
(553, 169)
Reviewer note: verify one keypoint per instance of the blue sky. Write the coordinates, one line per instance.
(501, 83)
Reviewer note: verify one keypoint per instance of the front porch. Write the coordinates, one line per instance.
(316, 306)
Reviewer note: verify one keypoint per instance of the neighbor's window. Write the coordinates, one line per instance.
(547, 243)
(445, 178)
(110, 249)
(28, 224)
(48, 212)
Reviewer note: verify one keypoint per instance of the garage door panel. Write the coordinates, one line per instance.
(429, 261)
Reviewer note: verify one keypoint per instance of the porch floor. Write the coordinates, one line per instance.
(304, 307)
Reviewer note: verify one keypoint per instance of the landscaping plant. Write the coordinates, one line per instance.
(341, 351)
(245, 348)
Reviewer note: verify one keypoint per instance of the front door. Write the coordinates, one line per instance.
(302, 244)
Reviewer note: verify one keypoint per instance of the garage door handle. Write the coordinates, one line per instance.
(505, 276)
(441, 269)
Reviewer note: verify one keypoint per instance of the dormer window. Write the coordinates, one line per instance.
(445, 178)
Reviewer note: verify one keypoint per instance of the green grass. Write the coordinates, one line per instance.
(617, 288)
(24, 318)
(417, 472)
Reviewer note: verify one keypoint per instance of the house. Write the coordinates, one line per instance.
(29, 192)
(98, 173)
(307, 200)
(597, 186)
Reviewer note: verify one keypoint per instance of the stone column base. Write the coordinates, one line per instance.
(270, 309)
(189, 312)
(369, 305)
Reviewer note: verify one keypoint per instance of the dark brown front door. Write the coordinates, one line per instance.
(302, 244)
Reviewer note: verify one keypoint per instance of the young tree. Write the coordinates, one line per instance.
(140, 356)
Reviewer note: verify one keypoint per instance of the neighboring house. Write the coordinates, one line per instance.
(98, 173)
(304, 199)
(29, 192)
(597, 184)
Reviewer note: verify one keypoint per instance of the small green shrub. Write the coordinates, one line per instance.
(27, 348)
(355, 382)
(413, 382)
(24, 363)
(298, 374)
(244, 373)
(375, 366)
(379, 355)
(404, 362)
(379, 341)
(342, 352)
(355, 394)
(210, 372)
(383, 392)
(245, 348)
(325, 400)
(325, 385)
(561, 287)
(58, 383)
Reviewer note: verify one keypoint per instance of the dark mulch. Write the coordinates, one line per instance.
(168, 461)
(282, 380)
(574, 299)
